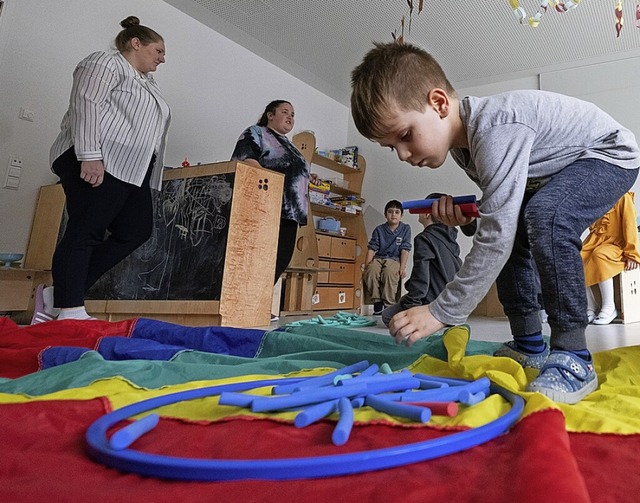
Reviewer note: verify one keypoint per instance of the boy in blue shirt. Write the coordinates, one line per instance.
(386, 260)
(548, 166)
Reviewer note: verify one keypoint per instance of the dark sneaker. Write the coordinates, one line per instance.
(378, 307)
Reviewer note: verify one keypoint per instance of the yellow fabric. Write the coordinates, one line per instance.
(613, 408)
(612, 239)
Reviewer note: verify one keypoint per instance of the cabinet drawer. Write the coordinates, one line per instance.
(333, 297)
(343, 248)
(323, 277)
(324, 245)
(344, 273)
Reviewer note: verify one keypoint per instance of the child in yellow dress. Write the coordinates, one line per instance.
(610, 248)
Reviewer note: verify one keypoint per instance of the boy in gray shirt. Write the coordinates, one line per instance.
(548, 166)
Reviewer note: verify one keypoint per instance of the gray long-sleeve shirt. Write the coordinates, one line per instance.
(512, 137)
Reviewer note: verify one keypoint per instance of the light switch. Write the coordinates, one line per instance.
(12, 182)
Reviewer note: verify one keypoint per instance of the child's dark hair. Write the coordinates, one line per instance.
(133, 29)
(270, 109)
(393, 204)
(393, 75)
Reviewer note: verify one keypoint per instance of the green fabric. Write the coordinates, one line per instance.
(282, 352)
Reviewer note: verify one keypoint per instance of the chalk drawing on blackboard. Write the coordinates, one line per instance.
(184, 257)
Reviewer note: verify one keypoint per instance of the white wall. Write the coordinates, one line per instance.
(215, 88)
(618, 95)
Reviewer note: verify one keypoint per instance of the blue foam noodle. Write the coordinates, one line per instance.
(344, 425)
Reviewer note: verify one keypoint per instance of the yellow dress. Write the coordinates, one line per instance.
(612, 239)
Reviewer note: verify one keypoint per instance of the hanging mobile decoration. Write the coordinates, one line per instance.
(400, 38)
(619, 18)
(533, 21)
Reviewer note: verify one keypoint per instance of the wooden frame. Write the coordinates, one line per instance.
(250, 254)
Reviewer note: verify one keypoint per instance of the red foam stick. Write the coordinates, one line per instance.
(438, 408)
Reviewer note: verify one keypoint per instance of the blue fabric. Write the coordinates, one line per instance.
(221, 340)
(159, 340)
(122, 348)
(59, 355)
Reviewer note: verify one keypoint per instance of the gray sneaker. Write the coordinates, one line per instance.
(565, 378)
(530, 360)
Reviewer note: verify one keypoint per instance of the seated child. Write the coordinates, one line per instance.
(610, 248)
(436, 259)
(548, 166)
(387, 255)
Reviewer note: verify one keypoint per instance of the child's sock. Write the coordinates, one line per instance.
(532, 344)
(74, 313)
(582, 353)
(47, 296)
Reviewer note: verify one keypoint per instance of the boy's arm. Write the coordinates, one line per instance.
(501, 165)
(404, 257)
(369, 257)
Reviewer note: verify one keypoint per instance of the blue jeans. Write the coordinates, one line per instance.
(548, 244)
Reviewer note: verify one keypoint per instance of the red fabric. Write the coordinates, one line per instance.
(43, 459)
(20, 347)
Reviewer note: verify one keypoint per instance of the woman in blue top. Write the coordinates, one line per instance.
(266, 145)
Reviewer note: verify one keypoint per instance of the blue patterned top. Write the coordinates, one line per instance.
(275, 151)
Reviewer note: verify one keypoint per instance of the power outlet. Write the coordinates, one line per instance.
(15, 161)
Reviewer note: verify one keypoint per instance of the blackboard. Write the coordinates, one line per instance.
(184, 258)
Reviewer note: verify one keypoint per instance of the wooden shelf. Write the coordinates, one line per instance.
(326, 211)
(342, 290)
(325, 162)
(341, 191)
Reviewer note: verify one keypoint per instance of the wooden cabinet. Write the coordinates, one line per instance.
(333, 262)
(336, 283)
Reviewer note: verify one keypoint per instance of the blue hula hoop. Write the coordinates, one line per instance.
(178, 468)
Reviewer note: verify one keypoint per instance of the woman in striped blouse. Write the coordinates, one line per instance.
(108, 155)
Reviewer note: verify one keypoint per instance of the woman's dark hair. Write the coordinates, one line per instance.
(271, 108)
(133, 29)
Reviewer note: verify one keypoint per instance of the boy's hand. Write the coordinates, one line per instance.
(449, 213)
(413, 324)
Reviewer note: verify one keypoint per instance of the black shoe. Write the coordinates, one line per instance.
(378, 307)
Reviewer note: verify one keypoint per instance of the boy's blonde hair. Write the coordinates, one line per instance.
(393, 74)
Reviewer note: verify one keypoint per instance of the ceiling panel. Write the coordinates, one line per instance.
(476, 41)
